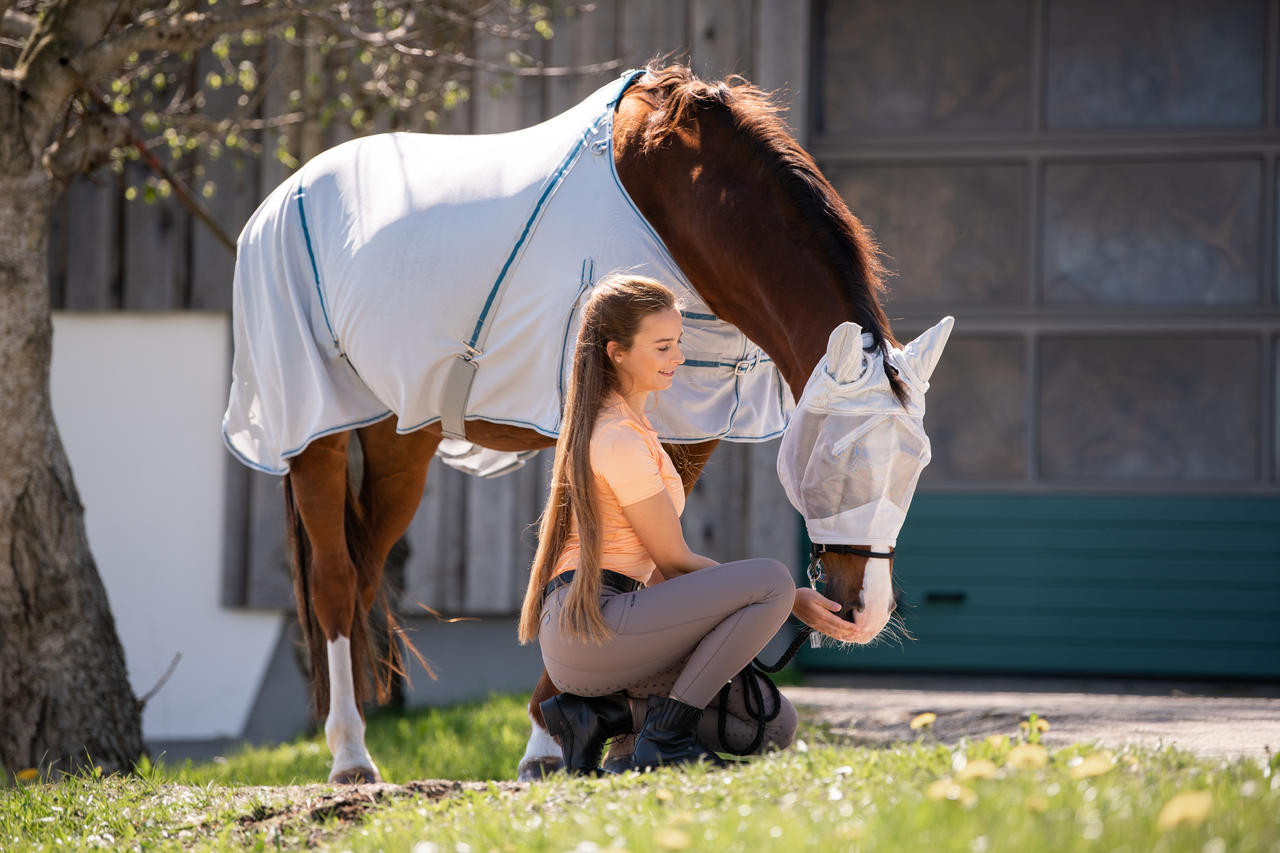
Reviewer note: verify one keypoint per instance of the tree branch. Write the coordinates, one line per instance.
(131, 137)
(43, 70)
(15, 24)
(463, 61)
(186, 32)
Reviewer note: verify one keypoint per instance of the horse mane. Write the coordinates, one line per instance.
(679, 95)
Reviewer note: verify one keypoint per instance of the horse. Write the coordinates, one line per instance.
(767, 245)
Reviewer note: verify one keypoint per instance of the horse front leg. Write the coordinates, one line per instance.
(327, 581)
(542, 754)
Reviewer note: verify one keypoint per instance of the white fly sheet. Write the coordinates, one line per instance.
(852, 454)
(389, 263)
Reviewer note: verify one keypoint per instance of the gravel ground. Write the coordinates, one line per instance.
(1213, 719)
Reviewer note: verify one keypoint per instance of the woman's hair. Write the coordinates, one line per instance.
(613, 312)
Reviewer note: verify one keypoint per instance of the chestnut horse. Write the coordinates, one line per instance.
(770, 247)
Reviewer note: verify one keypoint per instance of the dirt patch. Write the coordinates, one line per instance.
(306, 810)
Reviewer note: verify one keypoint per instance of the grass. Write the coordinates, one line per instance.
(1003, 793)
(476, 741)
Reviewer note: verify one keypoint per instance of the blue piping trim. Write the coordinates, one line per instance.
(315, 270)
(565, 165)
(694, 362)
(694, 315)
(289, 454)
(727, 434)
(585, 282)
(613, 171)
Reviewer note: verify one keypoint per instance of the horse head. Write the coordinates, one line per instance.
(771, 247)
(850, 460)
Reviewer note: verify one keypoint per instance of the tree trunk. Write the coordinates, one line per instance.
(65, 698)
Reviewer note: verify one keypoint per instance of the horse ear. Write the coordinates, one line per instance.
(844, 352)
(923, 353)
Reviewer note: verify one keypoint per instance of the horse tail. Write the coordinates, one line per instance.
(359, 546)
(312, 635)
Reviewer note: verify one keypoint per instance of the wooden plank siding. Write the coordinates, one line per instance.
(471, 543)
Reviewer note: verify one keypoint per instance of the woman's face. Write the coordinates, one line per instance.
(650, 363)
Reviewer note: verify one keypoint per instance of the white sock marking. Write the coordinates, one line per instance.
(344, 729)
(541, 745)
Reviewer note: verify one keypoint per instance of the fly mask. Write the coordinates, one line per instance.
(852, 453)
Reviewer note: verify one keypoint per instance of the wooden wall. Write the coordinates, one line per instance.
(471, 544)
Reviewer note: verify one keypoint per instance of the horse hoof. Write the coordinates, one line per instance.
(354, 776)
(535, 769)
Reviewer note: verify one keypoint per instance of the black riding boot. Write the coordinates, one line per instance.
(583, 724)
(668, 735)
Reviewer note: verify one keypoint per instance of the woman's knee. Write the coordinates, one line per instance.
(775, 580)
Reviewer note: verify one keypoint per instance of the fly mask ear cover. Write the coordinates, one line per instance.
(852, 454)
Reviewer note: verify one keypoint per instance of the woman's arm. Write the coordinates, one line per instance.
(657, 527)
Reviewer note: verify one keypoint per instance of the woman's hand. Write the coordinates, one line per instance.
(819, 613)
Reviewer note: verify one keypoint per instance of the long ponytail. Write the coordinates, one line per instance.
(613, 312)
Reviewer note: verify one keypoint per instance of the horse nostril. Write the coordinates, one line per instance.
(860, 605)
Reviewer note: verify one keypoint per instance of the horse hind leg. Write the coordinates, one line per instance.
(393, 478)
(325, 586)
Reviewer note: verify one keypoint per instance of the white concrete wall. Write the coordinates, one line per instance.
(138, 399)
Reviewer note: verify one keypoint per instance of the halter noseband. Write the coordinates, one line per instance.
(817, 572)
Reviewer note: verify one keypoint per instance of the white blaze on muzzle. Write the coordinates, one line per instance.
(852, 454)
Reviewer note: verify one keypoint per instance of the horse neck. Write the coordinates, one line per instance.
(740, 241)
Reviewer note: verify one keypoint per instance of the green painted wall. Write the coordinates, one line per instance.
(1105, 585)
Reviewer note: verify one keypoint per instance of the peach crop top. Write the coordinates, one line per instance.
(629, 465)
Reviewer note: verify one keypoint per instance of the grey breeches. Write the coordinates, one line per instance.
(719, 618)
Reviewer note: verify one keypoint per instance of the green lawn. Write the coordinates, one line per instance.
(989, 795)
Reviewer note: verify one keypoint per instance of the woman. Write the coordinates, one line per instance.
(611, 526)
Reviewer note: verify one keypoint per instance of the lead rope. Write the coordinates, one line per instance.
(755, 672)
(754, 702)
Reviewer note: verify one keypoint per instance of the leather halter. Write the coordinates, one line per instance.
(817, 572)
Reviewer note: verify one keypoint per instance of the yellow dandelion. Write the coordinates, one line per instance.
(938, 790)
(671, 838)
(920, 721)
(997, 741)
(1189, 807)
(1027, 756)
(29, 774)
(1093, 765)
(664, 795)
(979, 768)
(1042, 725)
(681, 817)
(1037, 803)
(948, 789)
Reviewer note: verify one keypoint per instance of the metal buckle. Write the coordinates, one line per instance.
(816, 572)
(472, 353)
(745, 366)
